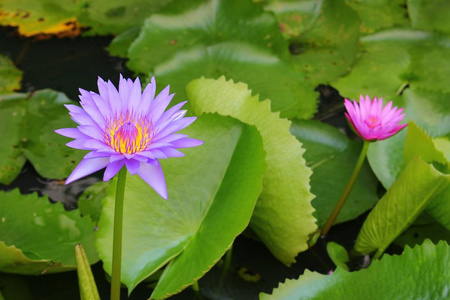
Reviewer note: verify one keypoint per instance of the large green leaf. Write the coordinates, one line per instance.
(419, 143)
(332, 157)
(31, 120)
(328, 49)
(419, 273)
(379, 14)
(38, 235)
(263, 71)
(430, 15)
(9, 76)
(203, 23)
(45, 16)
(415, 188)
(114, 16)
(212, 193)
(283, 215)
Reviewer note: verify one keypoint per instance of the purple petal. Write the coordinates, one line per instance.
(170, 112)
(134, 99)
(186, 143)
(154, 176)
(95, 154)
(114, 99)
(158, 109)
(132, 165)
(92, 131)
(147, 97)
(73, 133)
(171, 152)
(78, 143)
(86, 167)
(112, 169)
(175, 126)
(124, 91)
(94, 144)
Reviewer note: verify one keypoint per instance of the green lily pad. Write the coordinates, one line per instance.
(429, 15)
(120, 44)
(105, 17)
(418, 185)
(419, 273)
(382, 66)
(47, 16)
(418, 142)
(10, 76)
(380, 14)
(31, 120)
(38, 235)
(203, 23)
(332, 157)
(264, 72)
(215, 184)
(294, 16)
(328, 49)
(90, 202)
(283, 217)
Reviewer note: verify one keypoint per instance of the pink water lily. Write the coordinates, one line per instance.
(127, 127)
(373, 122)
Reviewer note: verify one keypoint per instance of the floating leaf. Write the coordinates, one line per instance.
(215, 184)
(332, 157)
(203, 23)
(105, 17)
(419, 273)
(264, 72)
(430, 15)
(284, 209)
(415, 188)
(379, 14)
(31, 120)
(328, 49)
(381, 69)
(47, 17)
(419, 143)
(29, 224)
(9, 76)
(90, 202)
(294, 16)
(120, 44)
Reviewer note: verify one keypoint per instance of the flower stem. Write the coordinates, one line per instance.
(347, 190)
(117, 235)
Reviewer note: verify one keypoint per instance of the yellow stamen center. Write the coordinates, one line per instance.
(128, 136)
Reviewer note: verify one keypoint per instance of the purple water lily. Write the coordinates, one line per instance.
(127, 127)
